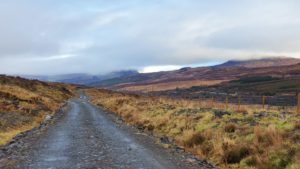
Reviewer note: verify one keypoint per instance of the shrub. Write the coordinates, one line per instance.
(296, 138)
(297, 126)
(273, 136)
(230, 128)
(206, 147)
(248, 161)
(270, 137)
(279, 159)
(150, 127)
(258, 135)
(236, 153)
(195, 139)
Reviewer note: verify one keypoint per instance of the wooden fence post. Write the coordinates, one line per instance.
(212, 101)
(298, 103)
(183, 101)
(263, 101)
(200, 104)
(226, 103)
(239, 103)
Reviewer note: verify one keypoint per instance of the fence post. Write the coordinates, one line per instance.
(152, 90)
(212, 101)
(200, 101)
(183, 101)
(298, 103)
(226, 103)
(239, 103)
(263, 101)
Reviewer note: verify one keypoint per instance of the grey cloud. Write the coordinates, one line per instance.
(103, 35)
(281, 38)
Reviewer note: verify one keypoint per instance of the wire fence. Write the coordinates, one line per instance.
(236, 101)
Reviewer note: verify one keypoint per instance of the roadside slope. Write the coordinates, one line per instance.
(25, 103)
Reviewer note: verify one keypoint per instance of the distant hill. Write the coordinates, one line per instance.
(185, 77)
(205, 76)
(265, 62)
(83, 79)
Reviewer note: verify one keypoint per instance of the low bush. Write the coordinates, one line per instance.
(279, 159)
(297, 126)
(236, 153)
(194, 140)
(230, 128)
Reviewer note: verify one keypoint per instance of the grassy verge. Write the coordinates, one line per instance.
(249, 138)
(25, 103)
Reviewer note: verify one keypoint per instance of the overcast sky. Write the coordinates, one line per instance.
(98, 36)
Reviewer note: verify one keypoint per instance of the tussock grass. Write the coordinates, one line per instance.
(25, 103)
(230, 128)
(248, 138)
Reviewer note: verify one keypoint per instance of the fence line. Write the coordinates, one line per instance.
(282, 100)
(235, 101)
(298, 103)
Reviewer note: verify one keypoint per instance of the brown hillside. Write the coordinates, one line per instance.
(267, 62)
(25, 103)
(207, 75)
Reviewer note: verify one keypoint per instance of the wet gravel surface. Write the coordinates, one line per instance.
(88, 137)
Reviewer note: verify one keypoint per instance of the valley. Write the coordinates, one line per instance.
(157, 84)
(230, 116)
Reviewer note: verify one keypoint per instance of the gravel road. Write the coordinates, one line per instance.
(88, 137)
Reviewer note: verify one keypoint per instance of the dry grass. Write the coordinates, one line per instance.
(252, 138)
(162, 86)
(230, 128)
(25, 103)
(7, 135)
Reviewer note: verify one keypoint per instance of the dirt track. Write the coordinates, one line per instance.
(87, 137)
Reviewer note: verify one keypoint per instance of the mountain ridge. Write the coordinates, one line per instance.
(208, 75)
(264, 62)
(81, 78)
(229, 70)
